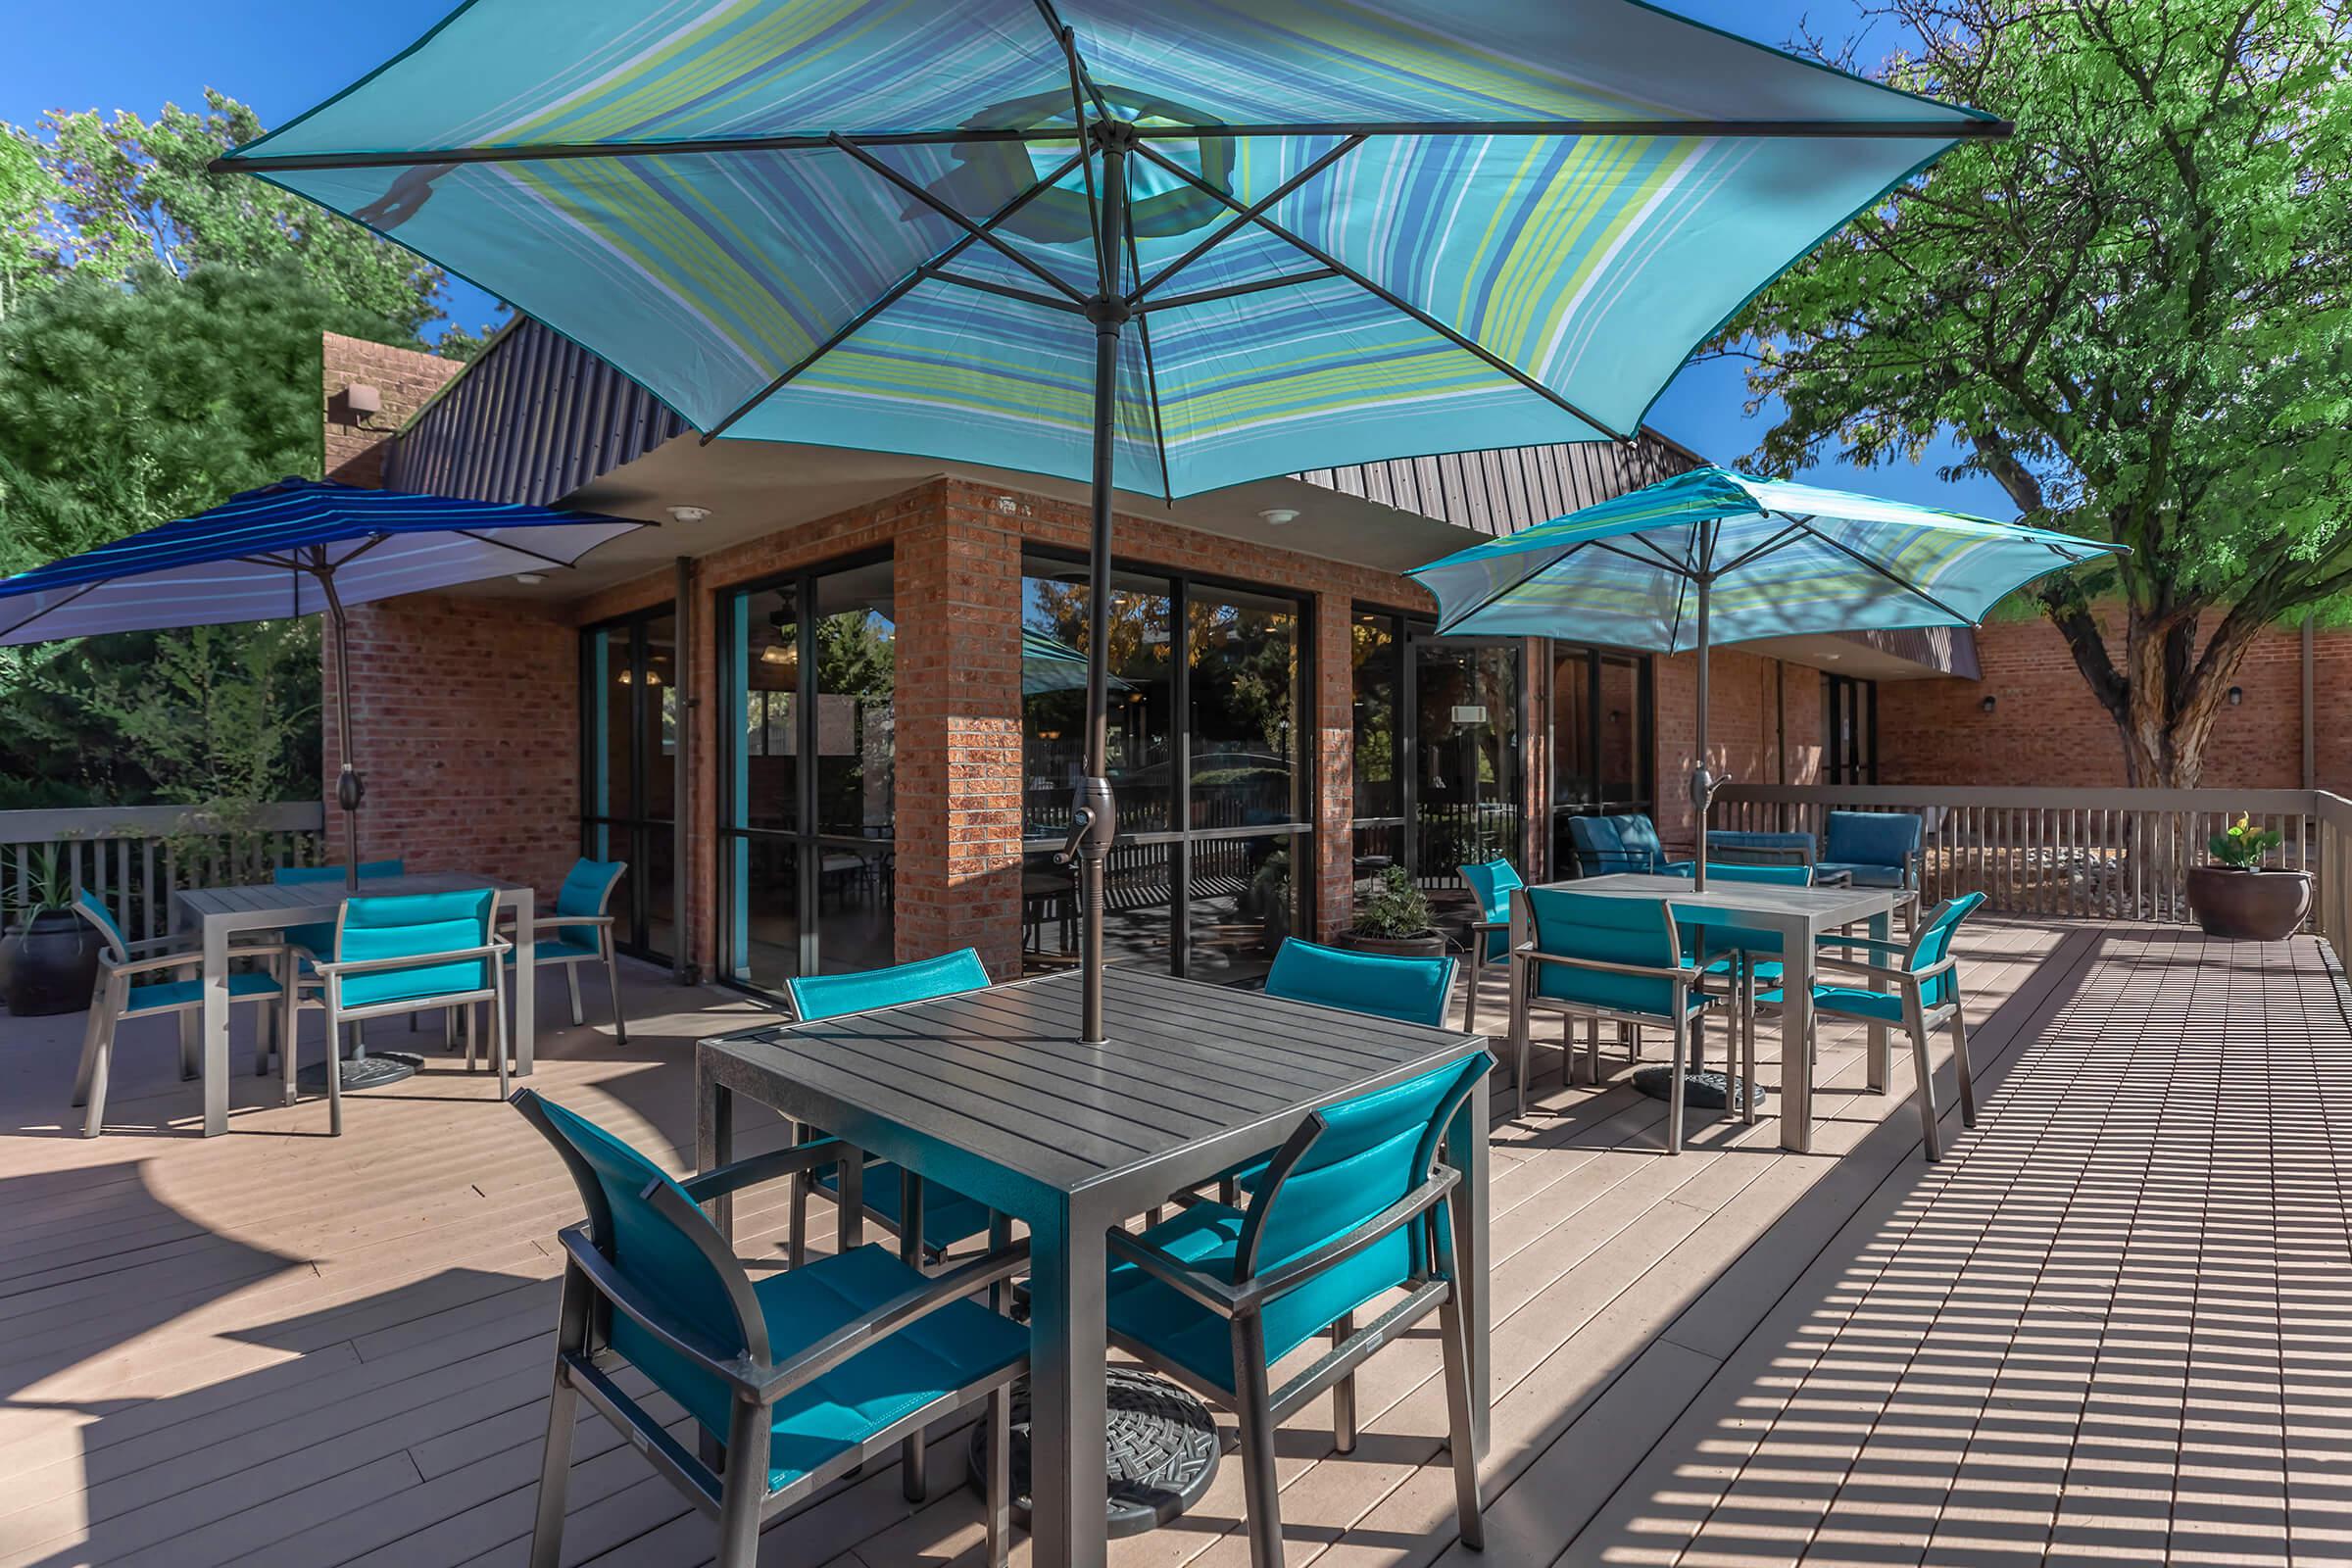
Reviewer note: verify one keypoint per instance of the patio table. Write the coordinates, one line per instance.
(990, 1093)
(1799, 916)
(218, 913)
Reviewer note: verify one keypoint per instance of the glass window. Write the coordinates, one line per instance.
(767, 635)
(1377, 649)
(629, 785)
(1243, 653)
(1141, 731)
(856, 671)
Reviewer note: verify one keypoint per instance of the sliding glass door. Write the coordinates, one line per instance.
(1603, 711)
(629, 772)
(806, 844)
(1438, 736)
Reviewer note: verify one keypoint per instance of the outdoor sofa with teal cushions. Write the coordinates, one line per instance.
(1606, 845)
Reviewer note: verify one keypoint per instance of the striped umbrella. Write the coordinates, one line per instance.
(1715, 556)
(299, 547)
(1163, 245)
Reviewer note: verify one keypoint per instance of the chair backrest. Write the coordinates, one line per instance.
(1589, 925)
(1933, 941)
(647, 1246)
(1750, 847)
(1407, 990)
(118, 946)
(829, 996)
(587, 888)
(1787, 876)
(1871, 838)
(1609, 843)
(1490, 882)
(291, 876)
(425, 927)
(1339, 1172)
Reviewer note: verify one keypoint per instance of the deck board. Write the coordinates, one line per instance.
(2104, 1328)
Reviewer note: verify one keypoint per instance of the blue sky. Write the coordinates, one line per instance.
(282, 56)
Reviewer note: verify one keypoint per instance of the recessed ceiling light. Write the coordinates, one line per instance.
(1278, 516)
(689, 514)
(530, 579)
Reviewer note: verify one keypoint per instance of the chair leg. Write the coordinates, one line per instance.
(620, 1025)
(1674, 1089)
(1960, 1065)
(498, 1031)
(744, 1487)
(102, 1062)
(449, 1028)
(563, 1409)
(571, 982)
(1342, 1393)
(999, 1489)
(1592, 1050)
(1478, 966)
(1748, 1050)
(1454, 1347)
(1924, 1071)
(90, 1031)
(1261, 1490)
(289, 1020)
(469, 1030)
(334, 1075)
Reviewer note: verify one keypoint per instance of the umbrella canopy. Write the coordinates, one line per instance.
(1714, 557)
(295, 548)
(1048, 665)
(1165, 245)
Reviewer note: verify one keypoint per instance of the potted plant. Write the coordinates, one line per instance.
(49, 958)
(1394, 919)
(1270, 893)
(2239, 897)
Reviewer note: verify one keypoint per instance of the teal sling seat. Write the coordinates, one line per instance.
(1601, 957)
(810, 1372)
(317, 937)
(408, 953)
(1491, 883)
(1876, 849)
(117, 995)
(1347, 1213)
(1609, 845)
(580, 931)
(1407, 990)
(1916, 987)
(944, 1217)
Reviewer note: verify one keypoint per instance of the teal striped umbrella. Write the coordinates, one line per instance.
(1158, 245)
(1714, 557)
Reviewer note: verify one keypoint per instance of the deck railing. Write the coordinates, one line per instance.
(133, 858)
(2120, 854)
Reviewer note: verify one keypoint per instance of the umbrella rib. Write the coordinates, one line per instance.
(547, 152)
(494, 544)
(1769, 546)
(1142, 336)
(890, 297)
(1067, 36)
(1453, 621)
(1027, 296)
(1177, 302)
(977, 232)
(86, 588)
(1079, 85)
(1389, 297)
(1680, 569)
(1904, 583)
(1246, 216)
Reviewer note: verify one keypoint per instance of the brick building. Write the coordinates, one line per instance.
(828, 708)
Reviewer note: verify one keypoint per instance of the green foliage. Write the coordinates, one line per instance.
(27, 191)
(40, 881)
(2243, 847)
(2135, 316)
(1394, 908)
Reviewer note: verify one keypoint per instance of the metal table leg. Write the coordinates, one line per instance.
(1466, 1152)
(1068, 1521)
(1882, 929)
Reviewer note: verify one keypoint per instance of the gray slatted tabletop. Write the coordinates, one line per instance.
(218, 913)
(991, 1093)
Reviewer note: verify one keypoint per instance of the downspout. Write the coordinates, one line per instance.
(683, 870)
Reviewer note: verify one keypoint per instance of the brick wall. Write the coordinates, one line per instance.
(353, 450)
(1763, 727)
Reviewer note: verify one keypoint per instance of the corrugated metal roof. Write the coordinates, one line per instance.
(1505, 489)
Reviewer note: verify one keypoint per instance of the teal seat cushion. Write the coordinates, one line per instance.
(951, 1349)
(1852, 1000)
(556, 950)
(317, 939)
(948, 1217)
(186, 992)
(1206, 1235)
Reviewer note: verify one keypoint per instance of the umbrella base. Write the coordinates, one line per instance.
(1160, 1454)
(375, 1070)
(1701, 1091)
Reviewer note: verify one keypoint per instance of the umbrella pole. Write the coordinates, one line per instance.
(349, 790)
(1702, 782)
(1093, 816)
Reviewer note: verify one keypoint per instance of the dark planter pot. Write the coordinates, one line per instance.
(2248, 906)
(1428, 944)
(49, 965)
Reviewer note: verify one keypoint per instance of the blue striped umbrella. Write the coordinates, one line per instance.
(1164, 245)
(299, 547)
(1715, 556)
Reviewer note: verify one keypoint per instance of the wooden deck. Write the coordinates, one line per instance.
(2106, 1328)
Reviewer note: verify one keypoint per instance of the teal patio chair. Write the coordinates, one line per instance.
(584, 934)
(940, 1218)
(116, 999)
(315, 939)
(1744, 958)
(1607, 845)
(1926, 979)
(1348, 1213)
(1490, 882)
(1604, 960)
(1877, 850)
(797, 1379)
(407, 954)
(1752, 847)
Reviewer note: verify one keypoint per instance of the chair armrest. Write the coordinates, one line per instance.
(902, 1311)
(773, 1165)
(1875, 943)
(494, 947)
(1645, 971)
(1297, 1271)
(683, 1338)
(162, 961)
(1856, 967)
(1206, 1289)
(557, 917)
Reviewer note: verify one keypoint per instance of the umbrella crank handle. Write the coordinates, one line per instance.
(1094, 823)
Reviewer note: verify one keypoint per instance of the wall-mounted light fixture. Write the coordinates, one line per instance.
(2237, 694)
(363, 402)
(1986, 704)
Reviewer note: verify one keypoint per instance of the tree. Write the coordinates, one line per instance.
(2135, 316)
(27, 192)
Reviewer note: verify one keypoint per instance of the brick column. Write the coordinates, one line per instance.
(958, 732)
(1334, 703)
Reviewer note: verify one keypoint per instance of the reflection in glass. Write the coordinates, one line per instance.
(854, 906)
(1053, 614)
(766, 684)
(855, 653)
(1243, 652)
(765, 935)
(1242, 904)
(1378, 656)
(1467, 700)
(613, 793)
